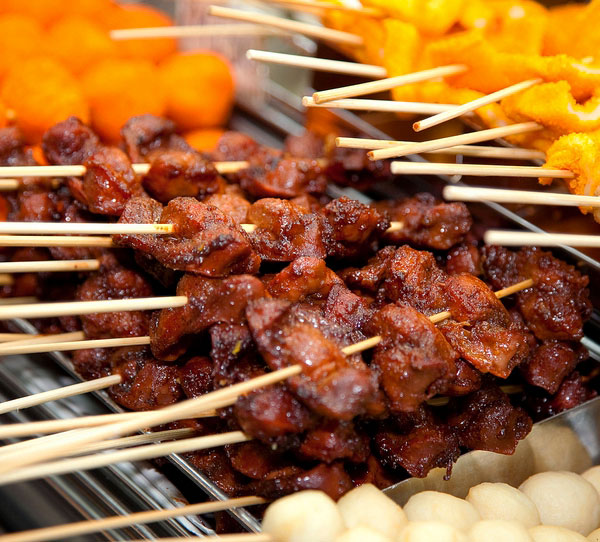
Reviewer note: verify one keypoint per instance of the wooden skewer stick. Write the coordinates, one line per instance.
(55, 241)
(394, 227)
(386, 84)
(73, 228)
(500, 195)
(462, 139)
(18, 300)
(53, 266)
(8, 185)
(480, 151)
(60, 393)
(46, 310)
(318, 64)
(193, 30)
(318, 4)
(6, 280)
(424, 168)
(288, 25)
(47, 339)
(69, 346)
(524, 238)
(9, 337)
(475, 104)
(59, 532)
(386, 106)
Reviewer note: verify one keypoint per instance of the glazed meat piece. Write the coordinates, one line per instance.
(36, 205)
(179, 173)
(551, 362)
(145, 134)
(464, 258)
(356, 227)
(196, 377)
(233, 354)
(414, 361)
(147, 383)
(335, 440)
(346, 308)
(428, 223)
(93, 363)
(425, 446)
(284, 178)
(372, 472)
(303, 278)
(307, 145)
(481, 329)
(572, 392)
(331, 383)
(331, 479)
(232, 205)
(272, 412)
(352, 167)
(13, 151)
(257, 461)
(558, 304)
(69, 142)
(467, 380)
(485, 420)
(205, 241)
(369, 278)
(115, 283)
(215, 465)
(109, 181)
(285, 232)
(236, 147)
(210, 301)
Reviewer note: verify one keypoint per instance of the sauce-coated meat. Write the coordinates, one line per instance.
(333, 440)
(179, 173)
(205, 240)
(210, 301)
(92, 363)
(235, 147)
(215, 464)
(196, 376)
(235, 206)
(464, 258)
(69, 142)
(467, 379)
(346, 308)
(413, 360)
(257, 461)
(369, 278)
(13, 151)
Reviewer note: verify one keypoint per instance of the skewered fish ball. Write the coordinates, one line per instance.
(368, 506)
(426, 531)
(594, 536)
(503, 502)
(436, 506)
(361, 533)
(552, 533)
(593, 477)
(498, 530)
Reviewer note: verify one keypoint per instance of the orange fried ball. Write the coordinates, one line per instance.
(204, 140)
(20, 38)
(78, 43)
(200, 89)
(140, 16)
(119, 89)
(42, 92)
(43, 11)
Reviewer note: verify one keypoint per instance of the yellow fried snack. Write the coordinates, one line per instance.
(564, 23)
(585, 36)
(400, 60)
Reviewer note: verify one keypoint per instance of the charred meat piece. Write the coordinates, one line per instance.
(352, 167)
(179, 173)
(335, 440)
(464, 258)
(307, 145)
(109, 181)
(36, 205)
(210, 301)
(346, 308)
(147, 383)
(557, 305)
(550, 364)
(13, 151)
(231, 204)
(572, 392)
(146, 134)
(69, 142)
(92, 363)
(356, 227)
(115, 283)
(285, 231)
(236, 147)
(369, 278)
(331, 479)
(205, 241)
(485, 420)
(257, 461)
(217, 467)
(303, 278)
(467, 380)
(196, 377)
(427, 223)
(331, 383)
(481, 329)
(372, 472)
(414, 361)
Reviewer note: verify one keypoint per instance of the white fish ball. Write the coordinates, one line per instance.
(428, 531)
(436, 506)
(551, 533)
(362, 534)
(498, 530)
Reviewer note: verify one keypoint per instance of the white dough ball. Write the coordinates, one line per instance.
(362, 534)
(498, 530)
(366, 505)
(593, 477)
(436, 506)
(564, 499)
(430, 531)
(551, 533)
(307, 516)
(594, 536)
(501, 501)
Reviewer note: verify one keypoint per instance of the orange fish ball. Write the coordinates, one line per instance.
(42, 92)
(20, 37)
(140, 16)
(78, 43)
(204, 140)
(43, 11)
(119, 89)
(90, 8)
(200, 89)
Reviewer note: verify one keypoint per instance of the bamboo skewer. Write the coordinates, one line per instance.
(51, 266)
(6, 280)
(17, 300)
(281, 23)
(318, 4)
(9, 337)
(500, 195)
(318, 64)
(46, 310)
(55, 241)
(386, 84)
(509, 153)
(79, 528)
(524, 238)
(462, 139)
(8, 185)
(394, 227)
(423, 168)
(73, 228)
(46, 339)
(386, 106)
(60, 393)
(475, 104)
(193, 30)
(69, 346)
